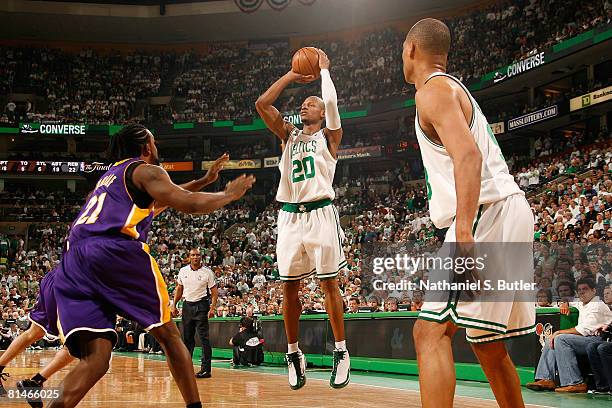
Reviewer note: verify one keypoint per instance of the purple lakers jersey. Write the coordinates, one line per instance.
(111, 211)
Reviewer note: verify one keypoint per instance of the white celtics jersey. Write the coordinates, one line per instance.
(496, 181)
(307, 169)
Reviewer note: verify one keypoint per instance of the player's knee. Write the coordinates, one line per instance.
(166, 334)
(34, 333)
(100, 367)
(427, 335)
(329, 286)
(291, 289)
(490, 352)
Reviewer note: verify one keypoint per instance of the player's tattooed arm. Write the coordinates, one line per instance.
(269, 114)
(441, 115)
(157, 183)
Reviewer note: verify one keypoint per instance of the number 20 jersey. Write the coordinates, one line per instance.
(110, 211)
(307, 169)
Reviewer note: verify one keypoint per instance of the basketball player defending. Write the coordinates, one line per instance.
(470, 191)
(309, 232)
(107, 269)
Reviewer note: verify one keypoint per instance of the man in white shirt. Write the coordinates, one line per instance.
(229, 259)
(599, 223)
(523, 178)
(561, 352)
(534, 178)
(242, 287)
(250, 237)
(259, 280)
(197, 283)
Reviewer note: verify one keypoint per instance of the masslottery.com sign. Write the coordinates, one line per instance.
(533, 117)
(52, 129)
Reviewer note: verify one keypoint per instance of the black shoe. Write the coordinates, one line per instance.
(3, 377)
(203, 374)
(31, 385)
(296, 363)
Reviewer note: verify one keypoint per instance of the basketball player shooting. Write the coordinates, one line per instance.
(471, 192)
(107, 269)
(309, 233)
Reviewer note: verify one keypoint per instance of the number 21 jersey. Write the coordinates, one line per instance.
(110, 211)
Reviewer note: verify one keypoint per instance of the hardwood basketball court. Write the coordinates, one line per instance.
(141, 380)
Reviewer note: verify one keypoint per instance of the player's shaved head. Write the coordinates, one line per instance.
(316, 99)
(431, 36)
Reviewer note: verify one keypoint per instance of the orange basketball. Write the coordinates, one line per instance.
(306, 62)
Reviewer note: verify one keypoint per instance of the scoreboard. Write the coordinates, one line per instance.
(40, 167)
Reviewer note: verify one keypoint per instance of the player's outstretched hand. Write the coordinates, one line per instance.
(323, 59)
(213, 173)
(237, 187)
(299, 78)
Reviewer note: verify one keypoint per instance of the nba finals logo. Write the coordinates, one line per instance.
(544, 331)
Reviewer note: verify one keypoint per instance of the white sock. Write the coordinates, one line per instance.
(292, 348)
(341, 345)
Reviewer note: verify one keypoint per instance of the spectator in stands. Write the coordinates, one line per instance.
(565, 291)
(391, 305)
(5, 337)
(565, 346)
(544, 298)
(353, 304)
(259, 280)
(600, 359)
(417, 300)
(374, 304)
(607, 295)
(104, 87)
(122, 327)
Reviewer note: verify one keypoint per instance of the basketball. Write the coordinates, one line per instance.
(306, 62)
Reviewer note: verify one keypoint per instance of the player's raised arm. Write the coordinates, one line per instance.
(330, 98)
(156, 182)
(439, 107)
(196, 185)
(264, 105)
